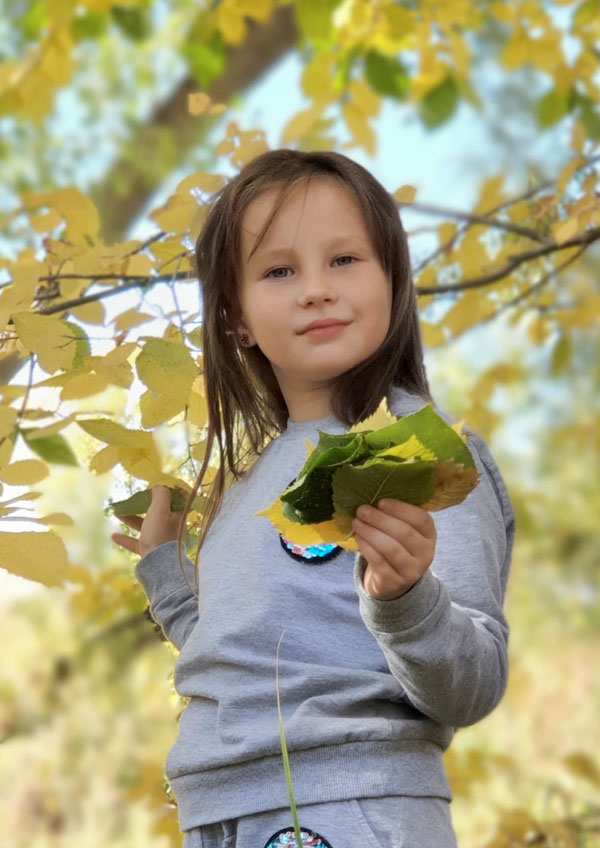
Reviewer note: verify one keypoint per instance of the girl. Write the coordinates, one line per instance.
(310, 320)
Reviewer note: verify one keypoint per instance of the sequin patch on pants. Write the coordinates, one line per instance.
(285, 838)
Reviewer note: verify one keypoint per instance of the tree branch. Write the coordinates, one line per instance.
(125, 191)
(585, 238)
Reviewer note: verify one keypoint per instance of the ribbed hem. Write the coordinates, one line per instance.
(327, 773)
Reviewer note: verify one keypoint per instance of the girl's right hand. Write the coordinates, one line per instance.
(159, 525)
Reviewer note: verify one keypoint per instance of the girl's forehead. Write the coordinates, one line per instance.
(323, 196)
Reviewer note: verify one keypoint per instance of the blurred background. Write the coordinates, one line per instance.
(483, 120)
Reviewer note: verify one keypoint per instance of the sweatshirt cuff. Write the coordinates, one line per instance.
(400, 613)
(160, 567)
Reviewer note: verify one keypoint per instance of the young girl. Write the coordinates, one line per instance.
(310, 320)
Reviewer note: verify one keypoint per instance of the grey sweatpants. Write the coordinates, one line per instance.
(396, 821)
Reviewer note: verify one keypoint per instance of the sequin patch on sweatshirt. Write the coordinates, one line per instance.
(285, 838)
(311, 554)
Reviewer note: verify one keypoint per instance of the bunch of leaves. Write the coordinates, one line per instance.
(418, 459)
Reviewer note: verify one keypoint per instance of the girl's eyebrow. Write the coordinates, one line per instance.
(263, 256)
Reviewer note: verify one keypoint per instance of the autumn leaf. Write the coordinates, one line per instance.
(418, 459)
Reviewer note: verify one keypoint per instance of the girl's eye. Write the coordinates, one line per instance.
(284, 268)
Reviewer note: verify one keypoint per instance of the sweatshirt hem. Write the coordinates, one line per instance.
(322, 774)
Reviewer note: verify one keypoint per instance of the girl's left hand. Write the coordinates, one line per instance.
(398, 541)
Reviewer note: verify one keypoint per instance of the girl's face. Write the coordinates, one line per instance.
(315, 262)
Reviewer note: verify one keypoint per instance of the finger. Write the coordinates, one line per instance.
(134, 521)
(161, 494)
(379, 574)
(126, 542)
(400, 531)
(416, 516)
(386, 546)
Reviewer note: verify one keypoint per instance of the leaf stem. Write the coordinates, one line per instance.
(286, 760)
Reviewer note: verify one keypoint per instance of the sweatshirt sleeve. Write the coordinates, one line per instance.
(445, 640)
(173, 604)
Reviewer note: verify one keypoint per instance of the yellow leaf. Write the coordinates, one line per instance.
(166, 367)
(156, 408)
(308, 534)
(47, 221)
(104, 460)
(364, 98)
(567, 172)
(198, 102)
(8, 419)
(300, 123)
(252, 144)
(453, 483)
(382, 417)
(56, 518)
(316, 80)
(131, 318)
(176, 215)
(38, 556)
(203, 180)
(433, 334)
(23, 472)
(47, 336)
(458, 429)
(564, 230)
(112, 433)
(490, 194)
(406, 450)
(197, 409)
(231, 23)
(359, 128)
(405, 194)
(140, 462)
(90, 313)
(140, 264)
(83, 385)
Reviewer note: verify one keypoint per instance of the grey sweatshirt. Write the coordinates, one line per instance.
(371, 691)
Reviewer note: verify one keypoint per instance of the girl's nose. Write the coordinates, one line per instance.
(315, 291)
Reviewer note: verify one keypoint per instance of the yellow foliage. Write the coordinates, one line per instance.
(301, 123)
(50, 337)
(83, 385)
(23, 472)
(131, 318)
(308, 534)
(37, 556)
(359, 128)
(316, 80)
(405, 194)
(156, 408)
(8, 419)
(104, 460)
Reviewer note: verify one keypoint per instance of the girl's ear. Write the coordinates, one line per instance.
(244, 336)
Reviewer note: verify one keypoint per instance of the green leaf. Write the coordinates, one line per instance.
(134, 22)
(139, 502)
(552, 107)
(418, 459)
(377, 478)
(315, 17)
(82, 343)
(439, 104)
(206, 60)
(386, 75)
(90, 25)
(51, 448)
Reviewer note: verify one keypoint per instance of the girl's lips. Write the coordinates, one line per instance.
(325, 332)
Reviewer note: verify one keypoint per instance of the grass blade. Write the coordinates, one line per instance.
(286, 759)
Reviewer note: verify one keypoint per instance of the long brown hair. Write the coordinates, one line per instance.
(246, 407)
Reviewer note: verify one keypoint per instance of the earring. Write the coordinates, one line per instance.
(244, 339)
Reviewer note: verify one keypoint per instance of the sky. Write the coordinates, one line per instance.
(446, 166)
